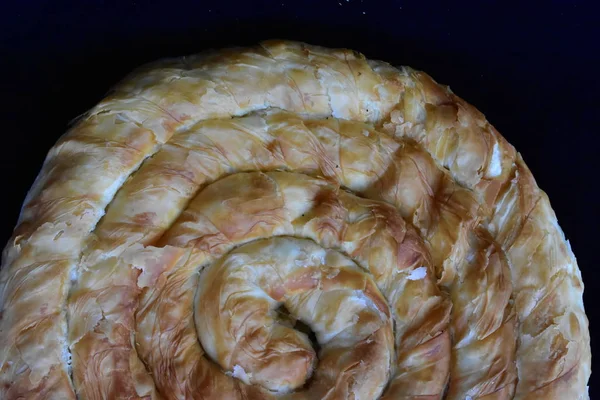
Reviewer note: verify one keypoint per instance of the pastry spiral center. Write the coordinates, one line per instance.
(238, 325)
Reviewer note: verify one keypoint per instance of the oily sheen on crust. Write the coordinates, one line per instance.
(452, 277)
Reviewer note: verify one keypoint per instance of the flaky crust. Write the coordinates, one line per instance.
(379, 208)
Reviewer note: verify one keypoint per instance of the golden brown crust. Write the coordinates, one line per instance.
(148, 167)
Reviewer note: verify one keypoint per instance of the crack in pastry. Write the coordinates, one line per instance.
(81, 279)
(234, 316)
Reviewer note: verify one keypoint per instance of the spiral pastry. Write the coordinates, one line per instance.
(288, 221)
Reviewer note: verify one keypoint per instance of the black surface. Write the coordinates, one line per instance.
(532, 69)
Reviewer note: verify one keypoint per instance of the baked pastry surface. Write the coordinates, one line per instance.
(186, 233)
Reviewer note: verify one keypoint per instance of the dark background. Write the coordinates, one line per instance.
(532, 69)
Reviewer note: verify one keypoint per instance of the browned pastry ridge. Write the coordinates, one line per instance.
(185, 232)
